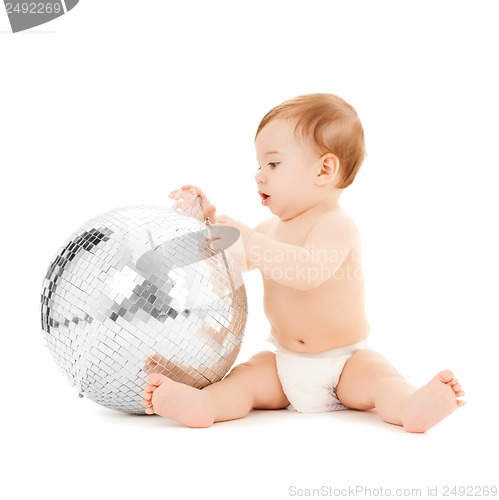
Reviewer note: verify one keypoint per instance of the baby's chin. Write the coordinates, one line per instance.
(284, 213)
(285, 216)
(274, 211)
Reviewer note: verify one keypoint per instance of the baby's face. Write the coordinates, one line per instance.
(288, 168)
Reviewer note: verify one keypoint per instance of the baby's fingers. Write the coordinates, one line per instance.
(179, 194)
(189, 205)
(174, 193)
(183, 191)
(191, 199)
(211, 213)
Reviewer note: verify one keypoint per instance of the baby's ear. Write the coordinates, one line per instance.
(330, 168)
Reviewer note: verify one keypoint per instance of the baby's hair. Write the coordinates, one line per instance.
(331, 124)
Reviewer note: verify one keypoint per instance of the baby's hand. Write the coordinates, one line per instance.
(243, 229)
(191, 200)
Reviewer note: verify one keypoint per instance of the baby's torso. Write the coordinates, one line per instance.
(329, 316)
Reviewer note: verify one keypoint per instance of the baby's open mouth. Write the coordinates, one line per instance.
(265, 197)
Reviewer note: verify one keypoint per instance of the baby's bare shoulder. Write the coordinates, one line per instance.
(334, 224)
(266, 224)
(335, 219)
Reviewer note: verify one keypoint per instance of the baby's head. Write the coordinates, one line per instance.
(307, 148)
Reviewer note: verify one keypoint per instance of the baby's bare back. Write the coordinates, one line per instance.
(326, 317)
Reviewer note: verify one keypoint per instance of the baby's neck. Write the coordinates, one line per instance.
(328, 204)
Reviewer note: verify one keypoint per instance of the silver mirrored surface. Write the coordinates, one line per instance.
(141, 281)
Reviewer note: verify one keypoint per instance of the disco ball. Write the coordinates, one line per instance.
(140, 281)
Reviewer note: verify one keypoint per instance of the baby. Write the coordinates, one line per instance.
(309, 149)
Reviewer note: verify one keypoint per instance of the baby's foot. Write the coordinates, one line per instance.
(159, 364)
(180, 402)
(433, 402)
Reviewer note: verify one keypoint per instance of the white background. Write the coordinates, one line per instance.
(118, 102)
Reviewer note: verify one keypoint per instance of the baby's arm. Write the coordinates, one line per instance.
(193, 201)
(309, 266)
(238, 252)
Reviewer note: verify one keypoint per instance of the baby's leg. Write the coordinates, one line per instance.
(251, 385)
(369, 381)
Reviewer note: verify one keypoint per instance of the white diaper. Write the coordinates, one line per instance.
(309, 380)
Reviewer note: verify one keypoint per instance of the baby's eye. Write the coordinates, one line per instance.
(273, 164)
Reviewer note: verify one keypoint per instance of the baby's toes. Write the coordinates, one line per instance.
(147, 402)
(149, 389)
(155, 379)
(446, 376)
(458, 391)
(456, 387)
